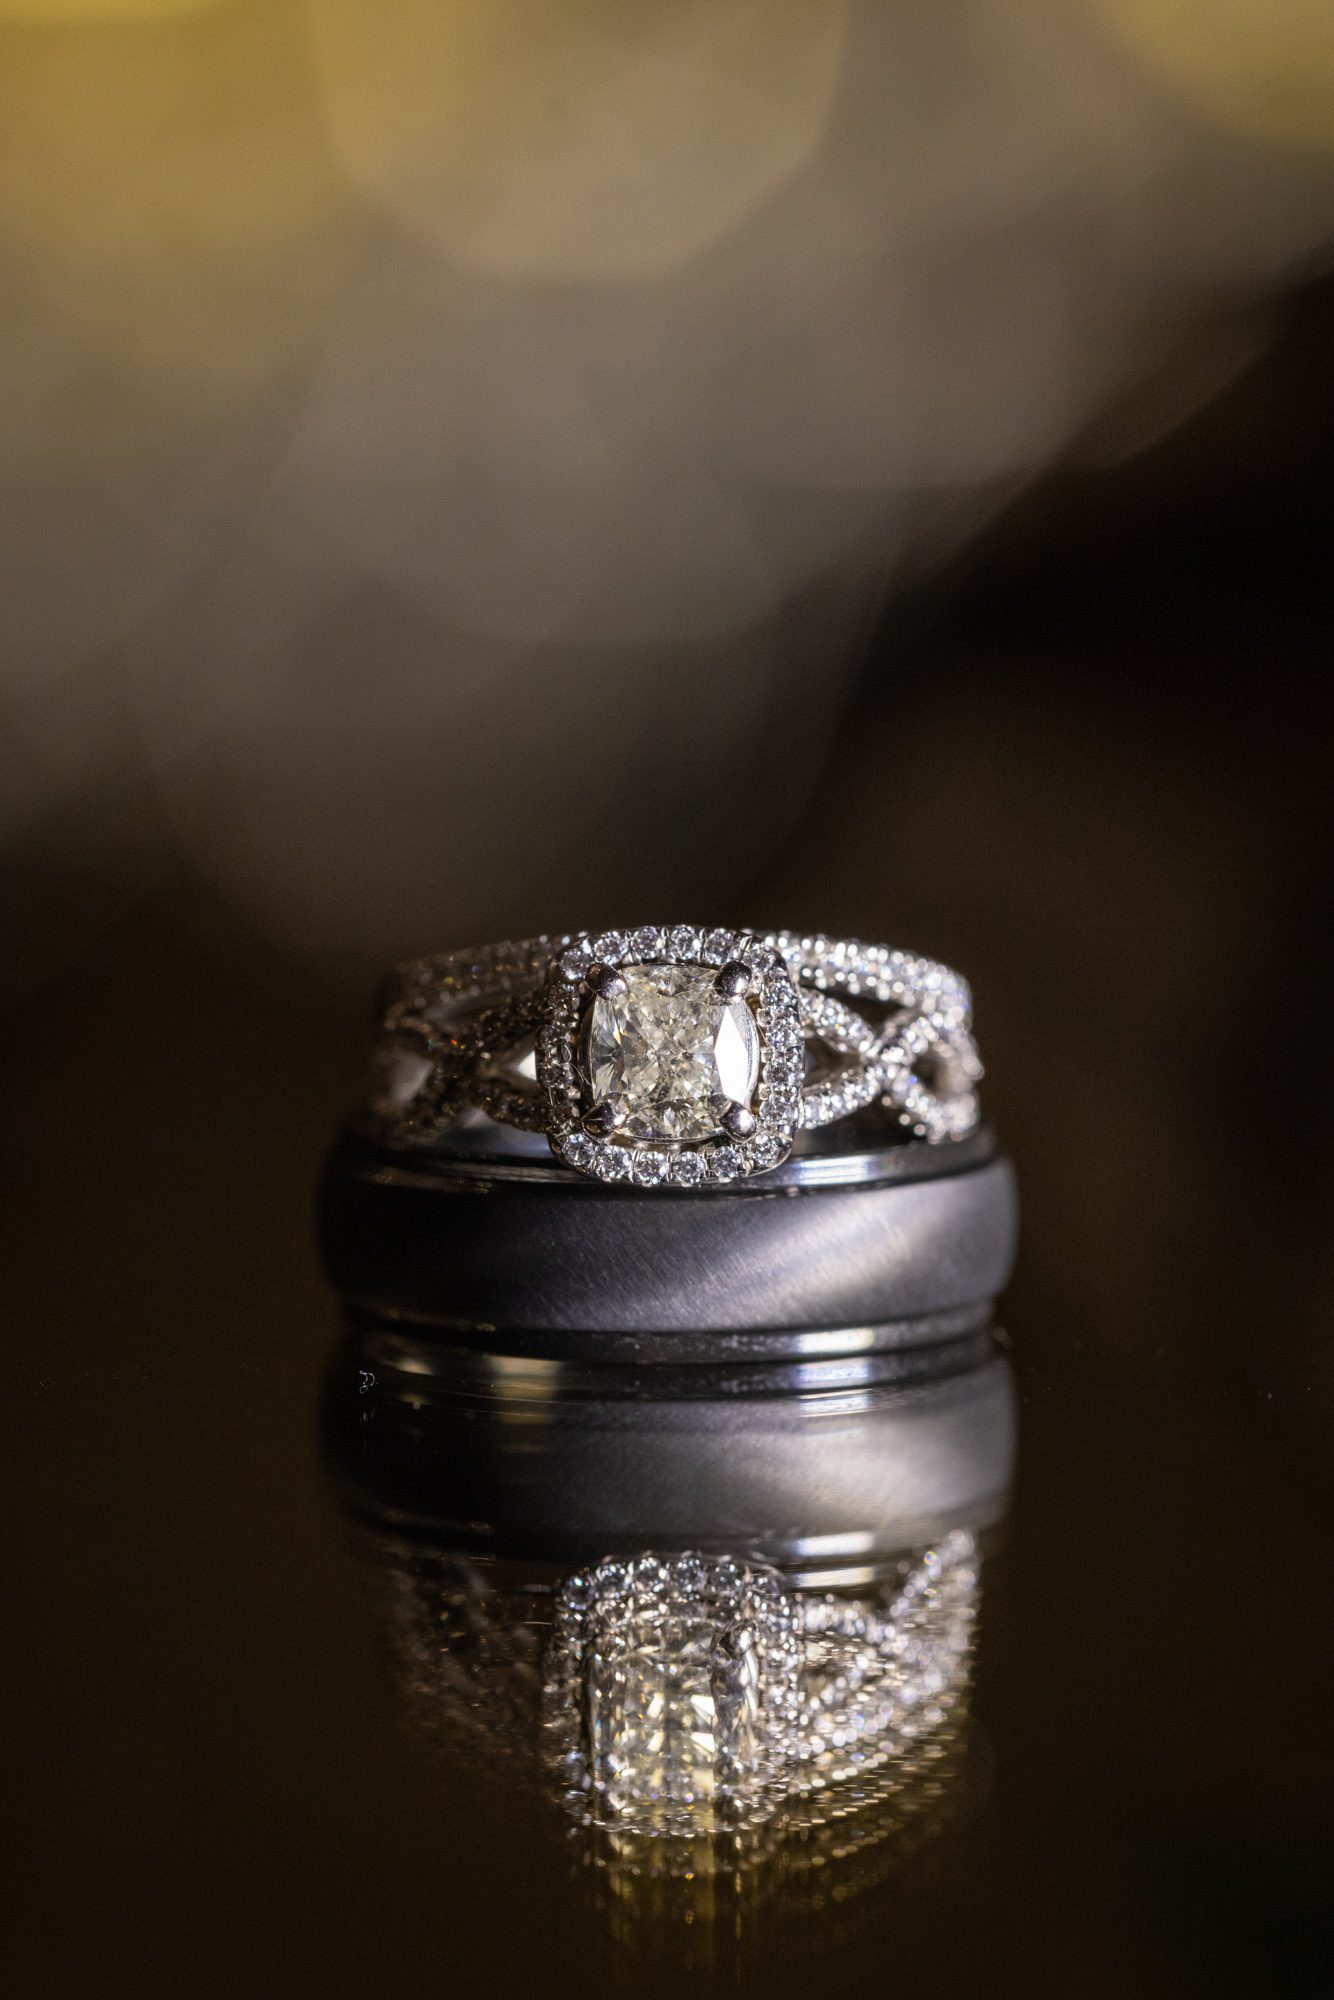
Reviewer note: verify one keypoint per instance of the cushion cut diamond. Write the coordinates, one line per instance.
(667, 1717)
(672, 1687)
(667, 1053)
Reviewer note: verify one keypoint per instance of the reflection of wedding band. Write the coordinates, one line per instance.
(807, 1465)
(675, 1057)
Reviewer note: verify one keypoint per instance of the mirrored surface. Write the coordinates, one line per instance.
(758, 1711)
(217, 1785)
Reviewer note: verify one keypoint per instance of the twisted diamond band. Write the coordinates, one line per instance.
(671, 1055)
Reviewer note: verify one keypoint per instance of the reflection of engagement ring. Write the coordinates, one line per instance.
(693, 1693)
(674, 1056)
(736, 1742)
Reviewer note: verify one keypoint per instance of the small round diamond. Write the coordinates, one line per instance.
(687, 1170)
(575, 962)
(782, 1062)
(784, 1037)
(718, 947)
(649, 1168)
(724, 1163)
(553, 1045)
(778, 1101)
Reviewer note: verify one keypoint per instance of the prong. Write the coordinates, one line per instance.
(733, 980)
(606, 981)
(603, 1120)
(738, 1122)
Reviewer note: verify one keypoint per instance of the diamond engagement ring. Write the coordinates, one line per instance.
(672, 1056)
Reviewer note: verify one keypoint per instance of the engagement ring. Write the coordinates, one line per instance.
(674, 1057)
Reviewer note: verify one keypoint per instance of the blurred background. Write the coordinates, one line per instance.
(455, 453)
(471, 466)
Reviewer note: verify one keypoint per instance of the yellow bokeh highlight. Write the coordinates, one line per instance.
(587, 138)
(90, 12)
(168, 200)
(1261, 67)
(200, 138)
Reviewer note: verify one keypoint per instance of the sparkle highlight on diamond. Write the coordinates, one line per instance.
(667, 1054)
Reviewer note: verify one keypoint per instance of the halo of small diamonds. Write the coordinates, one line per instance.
(569, 993)
(729, 1632)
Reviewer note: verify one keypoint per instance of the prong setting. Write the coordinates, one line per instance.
(606, 981)
(602, 1120)
(747, 998)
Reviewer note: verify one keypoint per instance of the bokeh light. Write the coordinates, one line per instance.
(578, 140)
(1263, 66)
(392, 393)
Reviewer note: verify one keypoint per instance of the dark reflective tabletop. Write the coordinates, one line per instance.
(279, 1708)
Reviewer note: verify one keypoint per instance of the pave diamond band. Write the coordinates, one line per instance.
(671, 1055)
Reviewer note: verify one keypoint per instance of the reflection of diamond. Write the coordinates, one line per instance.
(677, 1682)
(689, 1695)
(666, 1049)
(659, 1723)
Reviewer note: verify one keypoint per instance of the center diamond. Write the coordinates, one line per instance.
(674, 1714)
(669, 1053)
(673, 1692)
